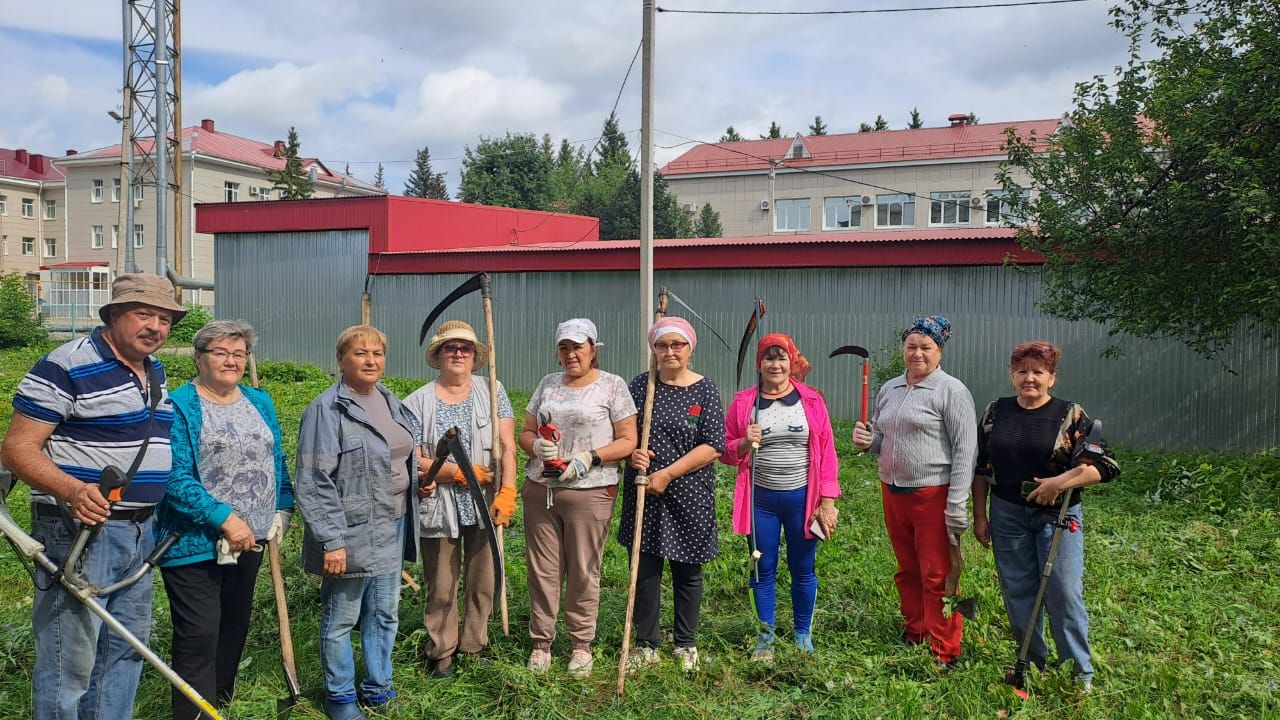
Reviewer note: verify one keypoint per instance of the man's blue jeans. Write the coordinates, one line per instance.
(1020, 537)
(83, 670)
(375, 602)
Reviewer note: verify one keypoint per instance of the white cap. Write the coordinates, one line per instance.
(578, 330)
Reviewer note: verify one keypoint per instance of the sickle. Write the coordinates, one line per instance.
(757, 312)
(474, 283)
(460, 457)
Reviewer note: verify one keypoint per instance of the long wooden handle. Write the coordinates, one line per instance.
(282, 614)
(866, 389)
(642, 482)
(496, 456)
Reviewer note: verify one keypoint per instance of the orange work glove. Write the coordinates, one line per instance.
(504, 505)
(482, 474)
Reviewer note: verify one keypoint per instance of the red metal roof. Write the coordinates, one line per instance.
(23, 165)
(925, 247)
(76, 264)
(884, 146)
(401, 224)
(215, 143)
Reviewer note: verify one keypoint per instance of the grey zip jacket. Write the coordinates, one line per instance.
(343, 482)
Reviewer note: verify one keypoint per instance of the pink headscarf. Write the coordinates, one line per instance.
(672, 324)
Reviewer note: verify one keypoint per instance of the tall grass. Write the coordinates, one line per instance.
(1180, 584)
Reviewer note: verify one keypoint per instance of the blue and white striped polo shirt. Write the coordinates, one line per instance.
(101, 416)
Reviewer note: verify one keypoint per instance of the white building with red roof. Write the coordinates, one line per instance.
(32, 212)
(868, 182)
(217, 167)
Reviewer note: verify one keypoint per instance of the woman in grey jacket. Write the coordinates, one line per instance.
(356, 464)
(925, 433)
(454, 540)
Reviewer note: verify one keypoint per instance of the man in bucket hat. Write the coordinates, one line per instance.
(94, 402)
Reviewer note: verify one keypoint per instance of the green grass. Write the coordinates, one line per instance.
(1182, 552)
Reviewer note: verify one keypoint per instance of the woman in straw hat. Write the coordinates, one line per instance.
(454, 541)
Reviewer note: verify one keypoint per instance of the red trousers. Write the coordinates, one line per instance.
(918, 531)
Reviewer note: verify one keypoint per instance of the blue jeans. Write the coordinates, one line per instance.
(1020, 538)
(375, 602)
(83, 670)
(779, 512)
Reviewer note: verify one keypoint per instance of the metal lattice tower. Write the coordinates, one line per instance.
(151, 152)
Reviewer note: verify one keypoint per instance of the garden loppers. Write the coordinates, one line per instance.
(28, 548)
(285, 705)
(752, 334)
(866, 374)
(642, 482)
(1086, 453)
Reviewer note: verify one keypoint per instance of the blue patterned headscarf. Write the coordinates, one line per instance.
(937, 327)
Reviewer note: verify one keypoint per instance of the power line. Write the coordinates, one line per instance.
(870, 11)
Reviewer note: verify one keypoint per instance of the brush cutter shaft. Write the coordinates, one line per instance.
(1045, 573)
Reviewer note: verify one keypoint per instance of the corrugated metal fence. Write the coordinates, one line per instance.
(301, 290)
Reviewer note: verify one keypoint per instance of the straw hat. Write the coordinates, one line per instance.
(455, 330)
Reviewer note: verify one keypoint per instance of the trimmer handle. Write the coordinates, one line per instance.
(162, 548)
(112, 483)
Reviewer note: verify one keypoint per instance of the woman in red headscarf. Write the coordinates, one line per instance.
(793, 487)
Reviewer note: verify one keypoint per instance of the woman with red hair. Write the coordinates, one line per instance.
(1027, 459)
(793, 488)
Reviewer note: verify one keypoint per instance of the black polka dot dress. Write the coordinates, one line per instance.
(679, 524)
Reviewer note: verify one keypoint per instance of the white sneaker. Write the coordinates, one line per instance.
(688, 657)
(580, 663)
(539, 661)
(641, 658)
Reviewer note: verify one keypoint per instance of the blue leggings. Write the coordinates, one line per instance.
(778, 512)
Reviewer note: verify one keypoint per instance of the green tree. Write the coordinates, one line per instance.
(423, 181)
(291, 181)
(972, 119)
(19, 323)
(511, 171)
(378, 180)
(865, 127)
(612, 149)
(775, 132)
(916, 123)
(881, 123)
(565, 175)
(1158, 208)
(817, 127)
(707, 224)
(730, 135)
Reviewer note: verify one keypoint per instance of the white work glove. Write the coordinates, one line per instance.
(225, 556)
(545, 450)
(957, 522)
(579, 466)
(279, 525)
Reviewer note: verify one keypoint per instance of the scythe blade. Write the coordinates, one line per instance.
(694, 313)
(471, 285)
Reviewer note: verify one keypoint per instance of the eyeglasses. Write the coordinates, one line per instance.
(676, 346)
(222, 355)
(463, 350)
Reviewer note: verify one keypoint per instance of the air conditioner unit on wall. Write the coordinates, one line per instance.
(867, 200)
(764, 205)
(975, 202)
(690, 207)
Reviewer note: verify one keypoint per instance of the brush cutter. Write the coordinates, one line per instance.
(67, 575)
(1086, 453)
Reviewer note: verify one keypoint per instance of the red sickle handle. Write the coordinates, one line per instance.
(866, 388)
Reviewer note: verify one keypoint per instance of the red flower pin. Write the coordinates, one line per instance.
(695, 412)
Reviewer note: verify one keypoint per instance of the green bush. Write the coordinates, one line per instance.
(185, 331)
(19, 324)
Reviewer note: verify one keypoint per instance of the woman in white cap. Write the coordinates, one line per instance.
(573, 481)
(454, 540)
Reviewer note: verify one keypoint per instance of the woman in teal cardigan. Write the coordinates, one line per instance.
(228, 493)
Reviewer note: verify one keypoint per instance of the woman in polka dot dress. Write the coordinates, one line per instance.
(795, 483)
(686, 437)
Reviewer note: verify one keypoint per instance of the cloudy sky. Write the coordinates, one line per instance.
(370, 82)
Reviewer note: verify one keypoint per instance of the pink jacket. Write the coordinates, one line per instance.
(823, 466)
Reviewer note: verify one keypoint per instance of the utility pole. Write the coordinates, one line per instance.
(646, 175)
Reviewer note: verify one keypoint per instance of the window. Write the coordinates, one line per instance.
(949, 208)
(115, 190)
(28, 208)
(50, 247)
(791, 214)
(137, 195)
(95, 237)
(4, 241)
(28, 246)
(95, 191)
(842, 213)
(115, 236)
(897, 210)
(139, 236)
(4, 204)
(998, 209)
(230, 191)
(50, 209)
